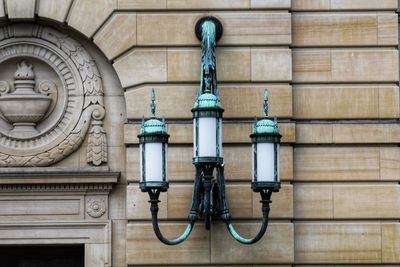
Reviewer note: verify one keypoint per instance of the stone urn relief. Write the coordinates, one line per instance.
(24, 106)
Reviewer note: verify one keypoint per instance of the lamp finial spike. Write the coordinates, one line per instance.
(153, 104)
(266, 102)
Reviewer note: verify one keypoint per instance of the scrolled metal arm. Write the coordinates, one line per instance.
(154, 200)
(265, 200)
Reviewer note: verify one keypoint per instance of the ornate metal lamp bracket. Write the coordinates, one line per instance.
(209, 197)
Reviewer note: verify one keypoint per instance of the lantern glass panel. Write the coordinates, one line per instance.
(220, 137)
(265, 162)
(153, 162)
(207, 137)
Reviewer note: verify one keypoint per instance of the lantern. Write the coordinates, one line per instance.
(153, 139)
(207, 129)
(265, 152)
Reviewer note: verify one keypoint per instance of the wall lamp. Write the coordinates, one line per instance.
(209, 198)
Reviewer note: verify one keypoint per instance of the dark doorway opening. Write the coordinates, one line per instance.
(42, 256)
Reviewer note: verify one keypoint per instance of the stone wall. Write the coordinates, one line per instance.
(332, 68)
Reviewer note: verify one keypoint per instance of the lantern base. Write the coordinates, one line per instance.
(217, 161)
(258, 186)
(146, 186)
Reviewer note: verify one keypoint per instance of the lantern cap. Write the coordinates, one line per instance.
(265, 126)
(153, 125)
(207, 101)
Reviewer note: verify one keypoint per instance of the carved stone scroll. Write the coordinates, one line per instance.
(74, 87)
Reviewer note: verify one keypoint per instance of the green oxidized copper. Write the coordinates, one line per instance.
(153, 129)
(208, 96)
(266, 126)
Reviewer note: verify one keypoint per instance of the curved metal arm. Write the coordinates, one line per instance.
(265, 200)
(154, 200)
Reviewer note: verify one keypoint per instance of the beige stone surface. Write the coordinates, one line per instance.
(275, 247)
(54, 9)
(119, 242)
(117, 35)
(237, 64)
(243, 28)
(271, 64)
(313, 201)
(208, 4)
(142, 241)
(270, 4)
(167, 28)
(242, 202)
(21, 9)
(362, 4)
(353, 242)
(347, 133)
(390, 243)
(233, 64)
(234, 99)
(281, 205)
(366, 133)
(180, 166)
(41, 207)
(304, 5)
(349, 29)
(138, 207)
(345, 101)
(240, 28)
(142, 4)
(366, 201)
(87, 16)
(231, 133)
(337, 163)
(2, 13)
(345, 65)
(390, 163)
(314, 133)
(142, 65)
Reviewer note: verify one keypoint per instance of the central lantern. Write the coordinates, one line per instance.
(209, 199)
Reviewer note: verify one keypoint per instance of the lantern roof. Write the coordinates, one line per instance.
(207, 100)
(266, 125)
(153, 125)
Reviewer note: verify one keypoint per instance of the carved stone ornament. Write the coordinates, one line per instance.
(95, 208)
(51, 97)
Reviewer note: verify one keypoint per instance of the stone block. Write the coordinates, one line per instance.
(345, 102)
(142, 66)
(54, 9)
(313, 201)
(366, 201)
(275, 247)
(332, 29)
(345, 65)
(339, 243)
(117, 35)
(235, 100)
(87, 16)
(21, 9)
(141, 240)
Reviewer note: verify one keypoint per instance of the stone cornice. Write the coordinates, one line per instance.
(60, 177)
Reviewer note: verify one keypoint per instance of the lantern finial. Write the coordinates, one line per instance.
(266, 103)
(153, 104)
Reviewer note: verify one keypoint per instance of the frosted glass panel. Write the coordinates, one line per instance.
(153, 161)
(207, 137)
(265, 162)
(141, 163)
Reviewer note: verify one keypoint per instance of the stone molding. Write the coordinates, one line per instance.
(81, 96)
(95, 235)
(57, 179)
